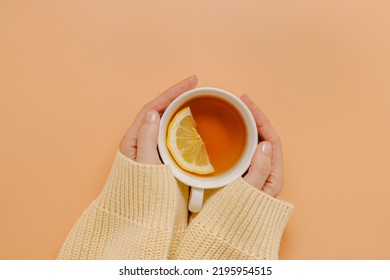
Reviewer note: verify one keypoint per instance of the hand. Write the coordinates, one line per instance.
(140, 140)
(266, 171)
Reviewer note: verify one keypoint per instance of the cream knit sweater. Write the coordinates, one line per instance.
(142, 214)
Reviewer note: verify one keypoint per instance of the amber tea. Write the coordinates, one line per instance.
(222, 129)
(208, 137)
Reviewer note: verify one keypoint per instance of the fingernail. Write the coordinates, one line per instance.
(151, 116)
(266, 148)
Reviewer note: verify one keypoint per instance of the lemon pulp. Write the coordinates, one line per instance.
(186, 145)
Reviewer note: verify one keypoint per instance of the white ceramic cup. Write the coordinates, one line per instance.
(197, 183)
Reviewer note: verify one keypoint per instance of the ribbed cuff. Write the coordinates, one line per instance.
(146, 194)
(246, 218)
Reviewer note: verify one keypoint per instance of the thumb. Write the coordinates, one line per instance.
(260, 166)
(147, 139)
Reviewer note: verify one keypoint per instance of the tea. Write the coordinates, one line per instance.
(222, 130)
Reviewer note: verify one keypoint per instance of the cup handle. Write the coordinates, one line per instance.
(196, 199)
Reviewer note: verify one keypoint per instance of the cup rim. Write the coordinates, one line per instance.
(224, 178)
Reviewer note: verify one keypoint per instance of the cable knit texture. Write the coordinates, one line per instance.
(142, 214)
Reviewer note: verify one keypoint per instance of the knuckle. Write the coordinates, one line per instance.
(145, 133)
(264, 169)
(278, 141)
(147, 107)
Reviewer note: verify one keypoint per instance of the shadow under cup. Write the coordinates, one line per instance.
(228, 130)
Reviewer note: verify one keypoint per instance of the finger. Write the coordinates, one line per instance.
(264, 126)
(161, 102)
(128, 143)
(267, 132)
(261, 166)
(147, 139)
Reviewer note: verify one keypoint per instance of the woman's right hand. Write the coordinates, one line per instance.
(140, 141)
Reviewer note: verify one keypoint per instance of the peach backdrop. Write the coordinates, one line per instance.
(73, 74)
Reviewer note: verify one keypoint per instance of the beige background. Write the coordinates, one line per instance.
(73, 74)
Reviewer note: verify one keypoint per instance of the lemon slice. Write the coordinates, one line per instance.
(186, 145)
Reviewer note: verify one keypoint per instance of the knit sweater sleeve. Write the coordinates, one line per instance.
(140, 214)
(236, 222)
